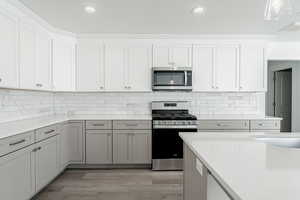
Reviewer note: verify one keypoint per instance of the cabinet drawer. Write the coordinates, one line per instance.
(265, 125)
(46, 132)
(134, 124)
(98, 125)
(223, 125)
(14, 143)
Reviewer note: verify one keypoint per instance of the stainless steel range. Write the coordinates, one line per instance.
(170, 118)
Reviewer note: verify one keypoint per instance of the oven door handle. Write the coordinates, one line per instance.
(185, 78)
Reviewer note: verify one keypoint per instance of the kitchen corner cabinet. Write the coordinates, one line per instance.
(17, 175)
(9, 70)
(90, 66)
(169, 55)
(64, 64)
(35, 57)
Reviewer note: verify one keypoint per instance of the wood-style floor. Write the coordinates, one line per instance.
(114, 185)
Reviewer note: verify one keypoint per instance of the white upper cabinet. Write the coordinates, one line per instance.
(27, 55)
(203, 68)
(43, 72)
(227, 66)
(8, 49)
(63, 64)
(253, 75)
(35, 57)
(90, 66)
(179, 55)
(115, 63)
(138, 68)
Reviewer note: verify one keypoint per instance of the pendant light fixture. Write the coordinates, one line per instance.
(276, 8)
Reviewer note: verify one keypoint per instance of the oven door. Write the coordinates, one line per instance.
(167, 79)
(167, 149)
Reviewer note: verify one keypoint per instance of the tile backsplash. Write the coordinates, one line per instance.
(139, 103)
(19, 104)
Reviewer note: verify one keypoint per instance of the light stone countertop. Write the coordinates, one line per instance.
(234, 117)
(8, 129)
(249, 169)
(12, 128)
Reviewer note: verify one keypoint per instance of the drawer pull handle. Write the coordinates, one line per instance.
(18, 142)
(98, 124)
(260, 124)
(222, 125)
(131, 124)
(48, 132)
(36, 149)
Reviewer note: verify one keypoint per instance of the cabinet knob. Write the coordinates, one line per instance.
(39, 85)
(101, 87)
(241, 87)
(0, 79)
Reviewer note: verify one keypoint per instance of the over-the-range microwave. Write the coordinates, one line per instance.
(172, 79)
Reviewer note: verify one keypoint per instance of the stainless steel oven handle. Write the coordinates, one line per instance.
(185, 78)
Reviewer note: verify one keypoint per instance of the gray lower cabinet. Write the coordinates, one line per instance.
(265, 125)
(17, 175)
(198, 183)
(132, 146)
(46, 162)
(99, 147)
(76, 142)
(194, 177)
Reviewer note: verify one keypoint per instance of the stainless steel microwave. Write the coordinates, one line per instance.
(172, 78)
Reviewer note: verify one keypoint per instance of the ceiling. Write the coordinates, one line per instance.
(156, 16)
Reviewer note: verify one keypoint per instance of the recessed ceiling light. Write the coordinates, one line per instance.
(199, 10)
(90, 9)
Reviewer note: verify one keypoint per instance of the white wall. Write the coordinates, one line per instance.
(281, 65)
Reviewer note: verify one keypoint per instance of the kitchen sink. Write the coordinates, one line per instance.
(286, 142)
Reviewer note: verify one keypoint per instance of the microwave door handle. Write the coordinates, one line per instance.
(185, 78)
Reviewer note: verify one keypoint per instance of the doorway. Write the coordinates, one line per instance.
(283, 98)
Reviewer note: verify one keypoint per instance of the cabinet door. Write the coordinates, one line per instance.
(63, 64)
(141, 147)
(17, 175)
(138, 68)
(182, 55)
(27, 55)
(179, 55)
(203, 68)
(227, 66)
(115, 64)
(122, 147)
(90, 69)
(8, 50)
(44, 60)
(162, 56)
(46, 162)
(253, 73)
(76, 141)
(99, 147)
(64, 146)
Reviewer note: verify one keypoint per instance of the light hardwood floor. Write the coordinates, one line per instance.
(114, 185)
